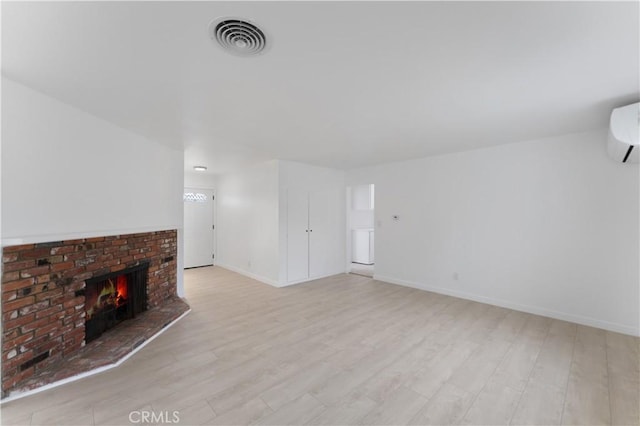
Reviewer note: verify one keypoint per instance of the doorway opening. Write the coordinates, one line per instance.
(361, 232)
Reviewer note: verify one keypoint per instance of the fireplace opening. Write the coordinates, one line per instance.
(113, 298)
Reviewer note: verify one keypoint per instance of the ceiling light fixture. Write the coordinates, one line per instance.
(200, 168)
(238, 36)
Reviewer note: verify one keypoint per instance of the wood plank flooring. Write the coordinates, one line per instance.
(351, 350)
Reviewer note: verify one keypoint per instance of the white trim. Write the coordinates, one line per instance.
(241, 271)
(34, 239)
(98, 370)
(305, 280)
(269, 280)
(591, 322)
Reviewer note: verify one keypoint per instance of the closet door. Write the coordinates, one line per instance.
(318, 224)
(297, 235)
(323, 223)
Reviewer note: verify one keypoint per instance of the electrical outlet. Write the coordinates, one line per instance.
(456, 276)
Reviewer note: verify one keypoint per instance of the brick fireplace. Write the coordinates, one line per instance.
(44, 290)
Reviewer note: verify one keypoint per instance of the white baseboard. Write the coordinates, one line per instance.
(306, 280)
(256, 277)
(578, 319)
(269, 281)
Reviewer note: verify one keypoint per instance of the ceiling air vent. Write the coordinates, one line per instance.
(239, 37)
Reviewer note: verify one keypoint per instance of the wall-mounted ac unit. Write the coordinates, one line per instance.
(624, 131)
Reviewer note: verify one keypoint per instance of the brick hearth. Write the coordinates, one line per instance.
(42, 314)
(109, 348)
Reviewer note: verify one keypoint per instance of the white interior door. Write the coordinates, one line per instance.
(198, 227)
(320, 204)
(297, 235)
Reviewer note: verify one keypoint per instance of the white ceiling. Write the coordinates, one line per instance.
(344, 84)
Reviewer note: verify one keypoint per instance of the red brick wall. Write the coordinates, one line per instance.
(40, 310)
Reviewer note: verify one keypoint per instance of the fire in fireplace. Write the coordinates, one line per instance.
(113, 298)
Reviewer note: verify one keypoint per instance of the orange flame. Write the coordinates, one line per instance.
(121, 290)
(111, 294)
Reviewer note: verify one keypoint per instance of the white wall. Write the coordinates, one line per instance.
(548, 227)
(247, 216)
(68, 174)
(200, 180)
(251, 218)
(307, 177)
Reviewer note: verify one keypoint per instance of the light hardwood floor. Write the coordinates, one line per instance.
(351, 350)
